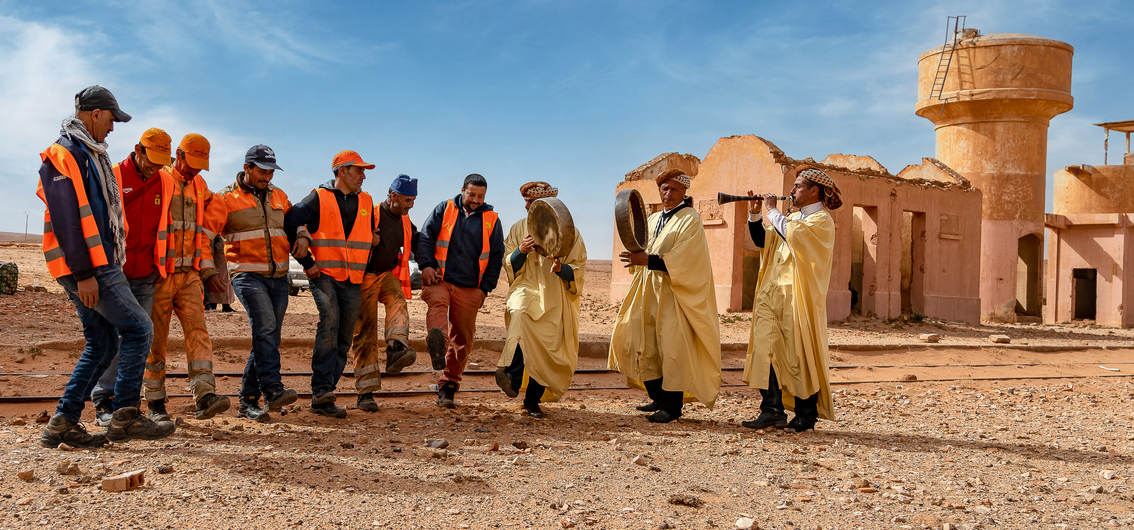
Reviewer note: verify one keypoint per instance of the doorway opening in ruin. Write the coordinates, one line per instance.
(1084, 293)
(1029, 256)
(913, 262)
(864, 256)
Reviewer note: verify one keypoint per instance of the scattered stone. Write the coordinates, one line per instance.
(179, 421)
(164, 469)
(26, 475)
(43, 417)
(346, 445)
(909, 377)
(439, 453)
(685, 499)
(24, 501)
(860, 482)
(1108, 474)
(219, 436)
(566, 523)
(640, 460)
(239, 427)
(1000, 339)
(481, 430)
(17, 420)
(867, 490)
(68, 468)
(437, 444)
(746, 523)
(520, 444)
(65, 447)
(929, 337)
(125, 481)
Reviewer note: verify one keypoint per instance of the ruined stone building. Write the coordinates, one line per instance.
(906, 242)
(1090, 241)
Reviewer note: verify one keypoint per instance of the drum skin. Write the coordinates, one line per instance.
(630, 219)
(550, 224)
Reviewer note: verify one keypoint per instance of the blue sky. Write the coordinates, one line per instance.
(576, 93)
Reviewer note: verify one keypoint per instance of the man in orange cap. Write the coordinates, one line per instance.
(188, 265)
(143, 184)
(340, 218)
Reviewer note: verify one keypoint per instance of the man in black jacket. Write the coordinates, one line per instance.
(462, 250)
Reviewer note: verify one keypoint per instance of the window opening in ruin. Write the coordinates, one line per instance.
(913, 262)
(1084, 293)
(1029, 255)
(864, 256)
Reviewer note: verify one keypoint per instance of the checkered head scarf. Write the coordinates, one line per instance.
(674, 174)
(538, 190)
(828, 190)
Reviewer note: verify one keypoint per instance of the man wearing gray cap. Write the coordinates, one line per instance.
(249, 213)
(84, 243)
(387, 282)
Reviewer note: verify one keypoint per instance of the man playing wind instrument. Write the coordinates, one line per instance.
(667, 337)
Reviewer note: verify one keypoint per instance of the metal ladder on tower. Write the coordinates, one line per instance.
(946, 58)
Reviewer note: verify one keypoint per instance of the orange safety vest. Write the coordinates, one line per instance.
(202, 237)
(338, 256)
(402, 271)
(163, 223)
(448, 223)
(66, 164)
(255, 240)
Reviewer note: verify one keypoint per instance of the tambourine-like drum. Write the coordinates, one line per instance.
(550, 224)
(630, 219)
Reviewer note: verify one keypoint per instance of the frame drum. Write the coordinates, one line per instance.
(630, 219)
(550, 224)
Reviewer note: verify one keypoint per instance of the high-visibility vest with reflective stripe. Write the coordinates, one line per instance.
(253, 231)
(337, 255)
(163, 266)
(202, 236)
(66, 164)
(402, 272)
(448, 223)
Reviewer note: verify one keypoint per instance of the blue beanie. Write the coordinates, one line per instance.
(405, 186)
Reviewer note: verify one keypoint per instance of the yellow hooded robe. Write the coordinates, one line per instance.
(542, 314)
(789, 315)
(668, 326)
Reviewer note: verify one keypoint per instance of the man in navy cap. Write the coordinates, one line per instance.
(84, 243)
(387, 282)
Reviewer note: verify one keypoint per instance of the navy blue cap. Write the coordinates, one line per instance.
(262, 156)
(98, 98)
(404, 185)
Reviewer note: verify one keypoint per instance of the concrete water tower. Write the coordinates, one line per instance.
(991, 98)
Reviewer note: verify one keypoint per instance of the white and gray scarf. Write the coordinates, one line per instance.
(77, 131)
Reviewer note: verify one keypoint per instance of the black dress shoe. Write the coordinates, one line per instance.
(534, 410)
(506, 384)
(765, 420)
(662, 416)
(798, 424)
(652, 406)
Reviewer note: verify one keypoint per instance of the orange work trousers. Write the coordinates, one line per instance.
(183, 293)
(453, 309)
(385, 289)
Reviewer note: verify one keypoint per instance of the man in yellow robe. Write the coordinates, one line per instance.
(787, 350)
(542, 313)
(667, 334)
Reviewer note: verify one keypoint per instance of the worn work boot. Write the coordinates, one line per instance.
(157, 410)
(652, 406)
(765, 420)
(435, 343)
(399, 357)
(533, 410)
(662, 416)
(128, 424)
(277, 397)
(366, 402)
(210, 405)
(324, 404)
(61, 430)
(445, 394)
(510, 388)
(102, 412)
(250, 408)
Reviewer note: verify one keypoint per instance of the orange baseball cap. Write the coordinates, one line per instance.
(349, 158)
(196, 149)
(157, 145)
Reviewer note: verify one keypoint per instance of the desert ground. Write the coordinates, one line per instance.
(959, 434)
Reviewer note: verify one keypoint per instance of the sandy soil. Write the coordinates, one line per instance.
(1035, 434)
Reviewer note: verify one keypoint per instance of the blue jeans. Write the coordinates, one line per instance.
(265, 299)
(338, 304)
(143, 289)
(117, 324)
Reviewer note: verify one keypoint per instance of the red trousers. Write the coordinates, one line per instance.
(453, 309)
